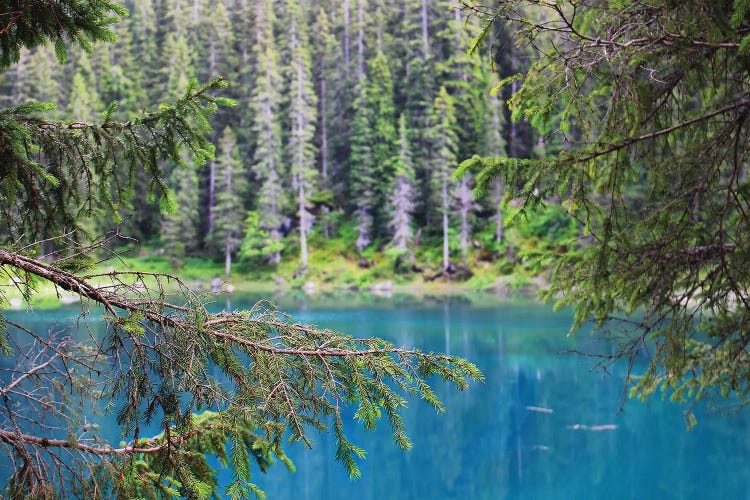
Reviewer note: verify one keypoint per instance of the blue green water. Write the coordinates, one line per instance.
(546, 424)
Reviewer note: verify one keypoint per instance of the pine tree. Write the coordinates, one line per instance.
(495, 146)
(178, 58)
(214, 38)
(142, 26)
(465, 205)
(179, 228)
(83, 102)
(418, 95)
(266, 101)
(326, 55)
(231, 188)
(303, 114)
(374, 148)
(363, 166)
(444, 159)
(43, 75)
(650, 102)
(401, 203)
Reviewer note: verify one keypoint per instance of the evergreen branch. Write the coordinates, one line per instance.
(744, 103)
(298, 375)
(72, 283)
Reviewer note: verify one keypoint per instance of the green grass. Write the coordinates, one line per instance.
(334, 265)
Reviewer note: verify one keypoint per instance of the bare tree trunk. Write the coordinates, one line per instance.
(301, 177)
(324, 139)
(227, 258)
(228, 246)
(361, 39)
(464, 218)
(211, 195)
(323, 129)
(347, 54)
(302, 224)
(445, 223)
(212, 56)
(425, 30)
(499, 228)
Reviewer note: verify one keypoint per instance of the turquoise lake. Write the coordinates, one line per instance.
(546, 424)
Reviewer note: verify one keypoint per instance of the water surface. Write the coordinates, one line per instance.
(546, 424)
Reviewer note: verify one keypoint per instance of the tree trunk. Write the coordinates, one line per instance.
(464, 219)
(302, 224)
(499, 228)
(347, 56)
(445, 222)
(425, 31)
(324, 138)
(361, 39)
(323, 129)
(228, 243)
(211, 195)
(227, 258)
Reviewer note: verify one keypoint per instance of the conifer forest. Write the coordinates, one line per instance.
(350, 119)
(593, 151)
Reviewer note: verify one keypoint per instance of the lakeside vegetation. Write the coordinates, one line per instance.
(339, 137)
(504, 270)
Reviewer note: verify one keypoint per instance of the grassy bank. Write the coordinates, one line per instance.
(326, 277)
(335, 267)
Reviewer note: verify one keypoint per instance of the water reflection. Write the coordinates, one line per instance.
(545, 424)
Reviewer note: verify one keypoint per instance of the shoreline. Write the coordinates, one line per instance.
(505, 288)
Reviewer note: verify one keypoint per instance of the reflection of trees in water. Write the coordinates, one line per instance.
(488, 444)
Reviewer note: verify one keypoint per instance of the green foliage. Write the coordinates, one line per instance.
(62, 22)
(80, 171)
(653, 167)
(230, 384)
(272, 200)
(257, 243)
(231, 186)
(179, 228)
(550, 224)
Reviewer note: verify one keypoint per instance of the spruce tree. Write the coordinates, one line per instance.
(374, 148)
(363, 166)
(179, 228)
(326, 53)
(465, 206)
(495, 146)
(43, 75)
(231, 189)
(83, 101)
(215, 40)
(303, 117)
(443, 133)
(268, 167)
(402, 197)
(418, 88)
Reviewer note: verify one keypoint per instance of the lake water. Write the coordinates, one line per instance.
(546, 424)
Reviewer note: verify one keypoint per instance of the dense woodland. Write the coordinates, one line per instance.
(349, 123)
(350, 120)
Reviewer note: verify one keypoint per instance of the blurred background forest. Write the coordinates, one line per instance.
(337, 162)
